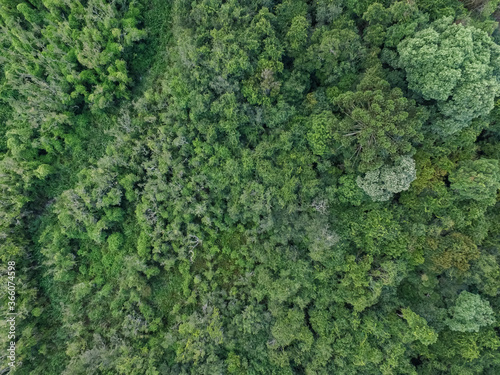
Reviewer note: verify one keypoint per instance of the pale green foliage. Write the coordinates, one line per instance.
(470, 313)
(321, 237)
(382, 183)
(420, 330)
(43, 170)
(454, 65)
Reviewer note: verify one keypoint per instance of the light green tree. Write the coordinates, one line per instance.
(470, 313)
(455, 65)
(382, 183)
(418, 325)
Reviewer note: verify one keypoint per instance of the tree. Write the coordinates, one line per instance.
(470, 313)
(348, 191)
(477, 179)
(419, 328)
(455, 65)
(215, 222)
(333, 54)
(381, 184)
(320, 136)
(379, 126)
(453, 250)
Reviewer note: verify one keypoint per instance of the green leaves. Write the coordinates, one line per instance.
(379, 126)
(477, 179)
(252, 207)
(454, 65)
(419, 328)
(332, 54)
(469, 313)
(320, 135)
(381, 184)
(44, 69)
(454, 250)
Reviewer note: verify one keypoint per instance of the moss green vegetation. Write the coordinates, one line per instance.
(251, 187)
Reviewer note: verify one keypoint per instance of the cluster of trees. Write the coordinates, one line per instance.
(252, 186)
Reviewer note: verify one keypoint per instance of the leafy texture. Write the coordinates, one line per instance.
(199, 187)
(381, 184)
(457, 67)
(470, 313)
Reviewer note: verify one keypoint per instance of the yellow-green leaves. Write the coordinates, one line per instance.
(419, 328)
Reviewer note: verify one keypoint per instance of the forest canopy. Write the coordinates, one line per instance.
(250, 187)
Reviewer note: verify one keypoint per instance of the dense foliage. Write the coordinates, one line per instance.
(251, 187)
